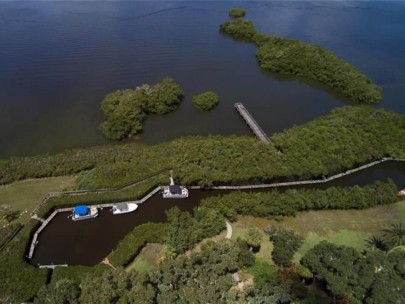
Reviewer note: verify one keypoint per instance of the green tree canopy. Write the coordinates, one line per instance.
(254, 237)
(205, 101)
(285, 244)
(126, 110)
(237, 12)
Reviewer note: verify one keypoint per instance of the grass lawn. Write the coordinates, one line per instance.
(148, 259)
(26, 195)
(342, 227)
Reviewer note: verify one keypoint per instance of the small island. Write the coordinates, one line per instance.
(125, 110)
(237, 12)
(205, 101)
(293, 57)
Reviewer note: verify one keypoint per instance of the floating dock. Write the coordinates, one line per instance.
(252, 123)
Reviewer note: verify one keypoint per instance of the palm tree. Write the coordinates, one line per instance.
(395, 235)
(377, 242)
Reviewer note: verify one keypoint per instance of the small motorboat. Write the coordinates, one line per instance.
(174, 191)
(121, 208)
(83, 212)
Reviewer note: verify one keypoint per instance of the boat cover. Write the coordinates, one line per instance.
(175, 189)
(122, 206)
(80, 210)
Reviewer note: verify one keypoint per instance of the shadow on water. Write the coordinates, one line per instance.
(88, 242)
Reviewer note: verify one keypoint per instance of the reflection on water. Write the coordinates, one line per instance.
(88, 242)
(58, 60)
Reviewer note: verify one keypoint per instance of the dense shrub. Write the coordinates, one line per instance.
(293, 57)
(274, 203)
(237, 12)
(343, 139)
(200, 277)
(133, 242)
(125, 110)
(205, 101)
(19, 280)
(370, 277)
(285, 244)
(240, 29)
(185, 230)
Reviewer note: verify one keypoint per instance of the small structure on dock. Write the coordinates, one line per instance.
(254, 126)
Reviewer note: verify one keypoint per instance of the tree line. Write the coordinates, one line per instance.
(273, 204)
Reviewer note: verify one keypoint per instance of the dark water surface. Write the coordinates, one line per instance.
(90, 241)
(59, 59)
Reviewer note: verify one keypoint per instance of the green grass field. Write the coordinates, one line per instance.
(148, 259)
(26, 195)
(342, 227)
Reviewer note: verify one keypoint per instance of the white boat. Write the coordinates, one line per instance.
(174, 191)
(121, 208)
(83, 212)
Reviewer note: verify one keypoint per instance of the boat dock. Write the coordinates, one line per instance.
(34, 241)
(145, 198)
(52, 266)
(254, 126)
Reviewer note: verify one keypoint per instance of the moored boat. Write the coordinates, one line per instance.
(174, 191)
(83, 212)
(121, 208)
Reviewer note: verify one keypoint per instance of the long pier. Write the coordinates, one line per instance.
(252, 123)
(302, 182)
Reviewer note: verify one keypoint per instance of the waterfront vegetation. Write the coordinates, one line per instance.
(294, 57)
(237, 12)
(205, 101)
(273, 204)
(343, 139)
(125, 110)
(19, 280)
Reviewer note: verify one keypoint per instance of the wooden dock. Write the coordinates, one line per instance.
(52, 266)
(252, 123)
(34, 241)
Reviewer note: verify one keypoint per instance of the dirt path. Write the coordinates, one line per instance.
(228, 230)
(107, 262)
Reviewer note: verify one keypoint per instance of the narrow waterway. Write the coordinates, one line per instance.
(88, 242)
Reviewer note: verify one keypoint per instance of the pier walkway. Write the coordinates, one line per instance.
(34, 241)
(252, 122)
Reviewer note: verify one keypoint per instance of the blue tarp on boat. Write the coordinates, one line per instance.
(80, 210)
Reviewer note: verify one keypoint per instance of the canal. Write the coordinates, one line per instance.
(88, 242)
